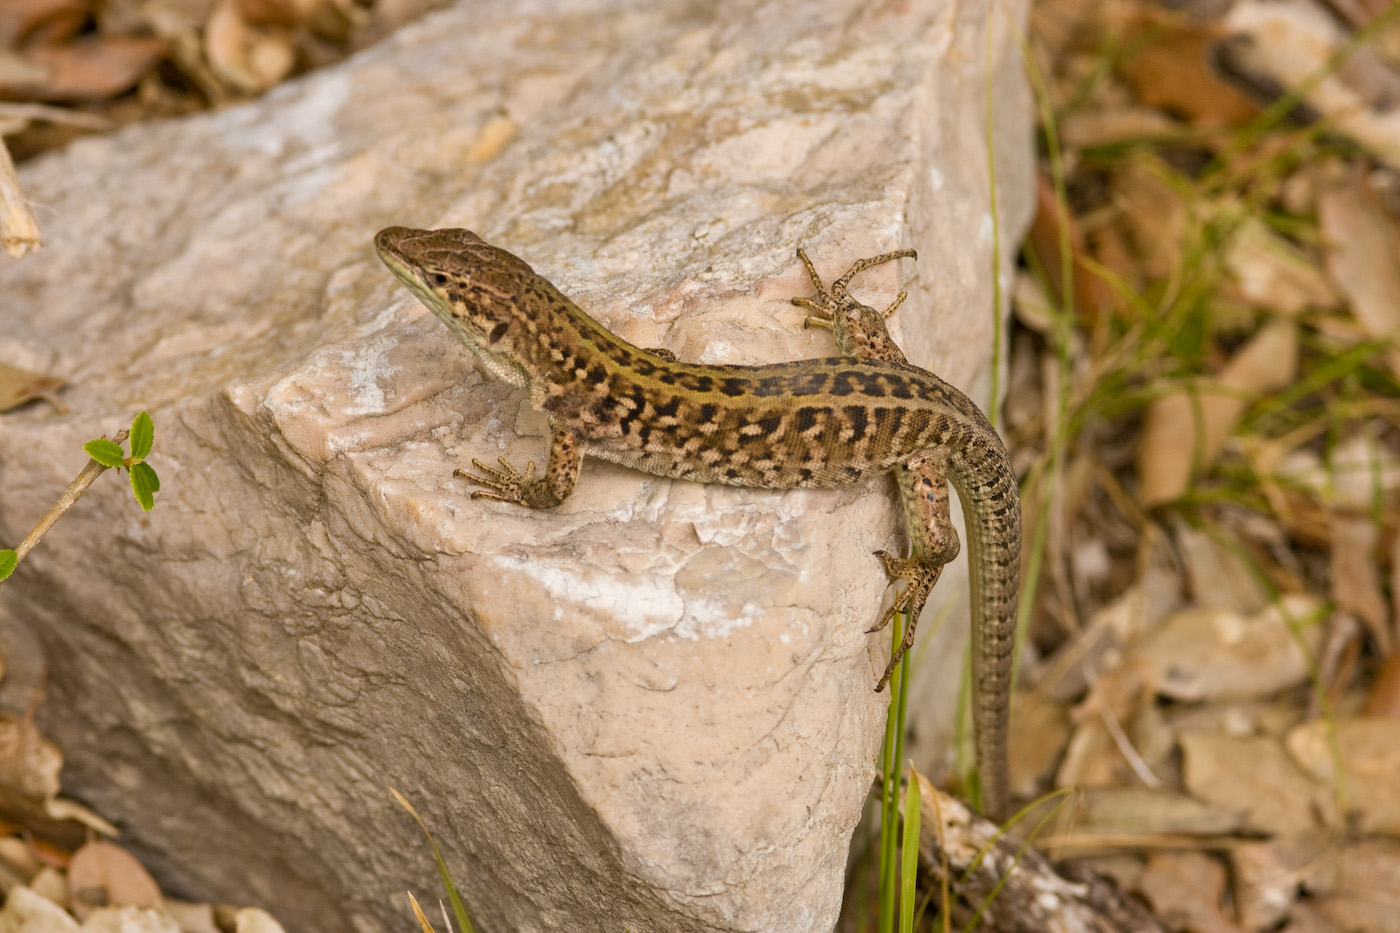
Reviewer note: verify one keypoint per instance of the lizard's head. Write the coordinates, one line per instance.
(474, 287)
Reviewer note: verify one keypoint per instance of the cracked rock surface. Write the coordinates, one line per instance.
(649, 709)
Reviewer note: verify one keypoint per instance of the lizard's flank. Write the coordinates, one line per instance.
(823, 422)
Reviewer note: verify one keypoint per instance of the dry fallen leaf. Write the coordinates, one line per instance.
(88, 69)
(1219, 578)
(1362, 468)
(168, 20)
(36, 21)
(103, 874)
(1184, 430)
(1268, 875)
(1363, 256)
(1253, 776)
(18, 386)
(1061, 25)
(250, 59)
(1141, 812)
(29, 765)
(1171, 69)
(17, 858)
(1370, 757)
(1141, 607)
(1285, 468)
(1272, 273)
(387, 16)
(16, 70)
(51, 883)
(15, 117)
(1360, 890)
(1306, 917)
(1215, 654)
(1355, 575)
(1187, 890)
(1384, 697)
(275, 12)
(1100, 752)
(29, 768)
(1039, 730)
(1141, 214)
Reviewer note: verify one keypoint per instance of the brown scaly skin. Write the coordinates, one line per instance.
(826, 422)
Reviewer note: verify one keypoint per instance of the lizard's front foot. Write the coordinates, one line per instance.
(823, 307)
(919, 579)
(506, 484)
(818, 316)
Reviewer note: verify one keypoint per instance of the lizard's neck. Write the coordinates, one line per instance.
(562, 345)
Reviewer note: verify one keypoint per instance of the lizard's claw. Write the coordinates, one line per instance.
(919, 579)
(504, 485)
(821, 315)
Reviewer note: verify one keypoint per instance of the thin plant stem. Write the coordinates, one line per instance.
(85, 478)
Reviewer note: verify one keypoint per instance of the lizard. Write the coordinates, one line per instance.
(808, 423)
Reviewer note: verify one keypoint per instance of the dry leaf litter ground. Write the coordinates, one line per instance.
(1203, 400)
(1204, 404)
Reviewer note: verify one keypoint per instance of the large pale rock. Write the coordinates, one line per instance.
(650, 709)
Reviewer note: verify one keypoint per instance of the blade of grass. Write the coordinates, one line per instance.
(418, 914)
(892, 753)
(457, 907)
(998, 326)
(909, 854)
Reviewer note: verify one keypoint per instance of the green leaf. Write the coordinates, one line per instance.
(143, 431)
(105, 452)
(144, 483)
(8, 559)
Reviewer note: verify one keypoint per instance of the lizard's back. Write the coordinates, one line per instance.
(825, 422)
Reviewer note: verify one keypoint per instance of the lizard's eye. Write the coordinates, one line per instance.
(439, 278)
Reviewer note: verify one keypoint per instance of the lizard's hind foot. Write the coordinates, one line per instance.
(919, 579)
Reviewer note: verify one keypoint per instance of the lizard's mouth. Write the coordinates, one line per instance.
(388, 243)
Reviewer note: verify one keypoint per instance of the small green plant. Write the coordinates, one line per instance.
(106, 454)
(144, 482)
